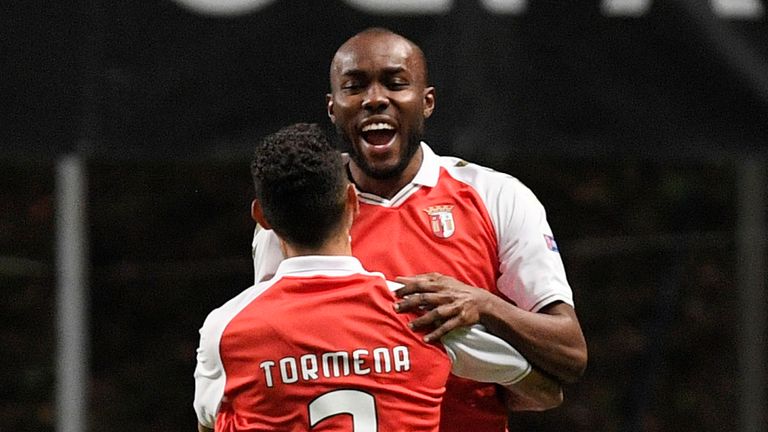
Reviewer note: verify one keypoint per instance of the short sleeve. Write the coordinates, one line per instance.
(480, 356)
(532, 271)
(210, 378)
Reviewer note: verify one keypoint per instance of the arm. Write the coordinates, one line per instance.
(537, 392)
(480, 356)
(551, 338)
(209, 375)
(266, 253)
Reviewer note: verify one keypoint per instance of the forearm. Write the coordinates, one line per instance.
(550, 339)
(536, 392)
(481, 356)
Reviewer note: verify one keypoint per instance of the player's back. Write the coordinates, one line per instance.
(323, 352)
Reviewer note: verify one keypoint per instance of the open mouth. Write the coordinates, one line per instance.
(378, 134)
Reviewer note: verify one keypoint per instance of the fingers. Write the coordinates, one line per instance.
(439, 319)
(429, 319)
(433, 318)
(419, 301)
(445, 303)
(442, 330)
(416, 284)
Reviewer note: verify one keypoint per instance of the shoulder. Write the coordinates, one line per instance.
(493, 186)
(218, 318)
(476, 174)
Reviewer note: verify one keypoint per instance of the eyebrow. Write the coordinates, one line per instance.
(387, 70)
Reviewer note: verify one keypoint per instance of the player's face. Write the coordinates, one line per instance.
(378, 102)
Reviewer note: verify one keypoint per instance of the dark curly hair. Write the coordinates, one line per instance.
(300, 183)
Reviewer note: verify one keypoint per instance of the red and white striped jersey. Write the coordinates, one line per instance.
(483, 227)
(319, 347)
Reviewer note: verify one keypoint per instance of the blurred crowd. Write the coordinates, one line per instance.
(648, 247)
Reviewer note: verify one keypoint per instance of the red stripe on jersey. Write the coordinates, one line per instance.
(306, 339)
(402, 241)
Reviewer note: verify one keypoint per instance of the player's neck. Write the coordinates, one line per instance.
(337, 245)
(386, 188)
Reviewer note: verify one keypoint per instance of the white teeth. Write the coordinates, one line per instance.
(377, 126)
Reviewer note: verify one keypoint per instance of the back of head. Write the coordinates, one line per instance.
(300, 184)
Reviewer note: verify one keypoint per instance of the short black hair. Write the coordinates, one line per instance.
(300, 183)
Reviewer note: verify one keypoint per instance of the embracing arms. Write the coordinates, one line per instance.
(551, 338)
(484, 357)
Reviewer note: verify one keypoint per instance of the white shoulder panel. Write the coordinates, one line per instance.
(210, 376)
(532, 273)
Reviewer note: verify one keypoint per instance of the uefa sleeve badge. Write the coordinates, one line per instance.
(551, 245)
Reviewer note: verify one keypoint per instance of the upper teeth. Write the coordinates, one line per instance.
(377, 126)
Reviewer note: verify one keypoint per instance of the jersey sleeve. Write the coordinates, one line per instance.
(210, 378)
(266, 254)
(480, 356)
(532, 271)
(210, 375)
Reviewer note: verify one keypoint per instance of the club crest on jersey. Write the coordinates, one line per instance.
(441, 220)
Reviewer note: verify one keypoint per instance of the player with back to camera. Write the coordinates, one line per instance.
(319, 346)
(470, 244)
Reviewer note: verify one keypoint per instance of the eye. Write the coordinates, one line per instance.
(398, 84)
(352, 86)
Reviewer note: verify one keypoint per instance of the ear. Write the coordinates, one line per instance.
(329, 107)
(352, 199)
(257, 214)
(429, 101)
(352, 203)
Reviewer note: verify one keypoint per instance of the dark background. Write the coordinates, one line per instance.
(630, 130)
(152, 79)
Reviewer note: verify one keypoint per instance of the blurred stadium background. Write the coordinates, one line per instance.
(124, 186)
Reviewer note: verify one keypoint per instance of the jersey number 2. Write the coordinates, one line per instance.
(360, 405)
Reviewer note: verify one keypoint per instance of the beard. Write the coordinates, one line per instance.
(411, 146)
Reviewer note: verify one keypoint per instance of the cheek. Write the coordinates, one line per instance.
(412, 103)
(343, 110)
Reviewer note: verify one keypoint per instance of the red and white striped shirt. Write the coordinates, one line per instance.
(483, 227)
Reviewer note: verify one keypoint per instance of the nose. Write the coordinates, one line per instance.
(376, 98)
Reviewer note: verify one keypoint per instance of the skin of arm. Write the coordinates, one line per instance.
(201, 428)
(536, 392)
(550, 339)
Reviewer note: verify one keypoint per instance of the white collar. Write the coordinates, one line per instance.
(429, 171)
(319, 264)
(427, 175)
(326, 265)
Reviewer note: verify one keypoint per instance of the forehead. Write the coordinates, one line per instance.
(375, 52)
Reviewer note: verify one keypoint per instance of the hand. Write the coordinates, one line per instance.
(450, 303)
